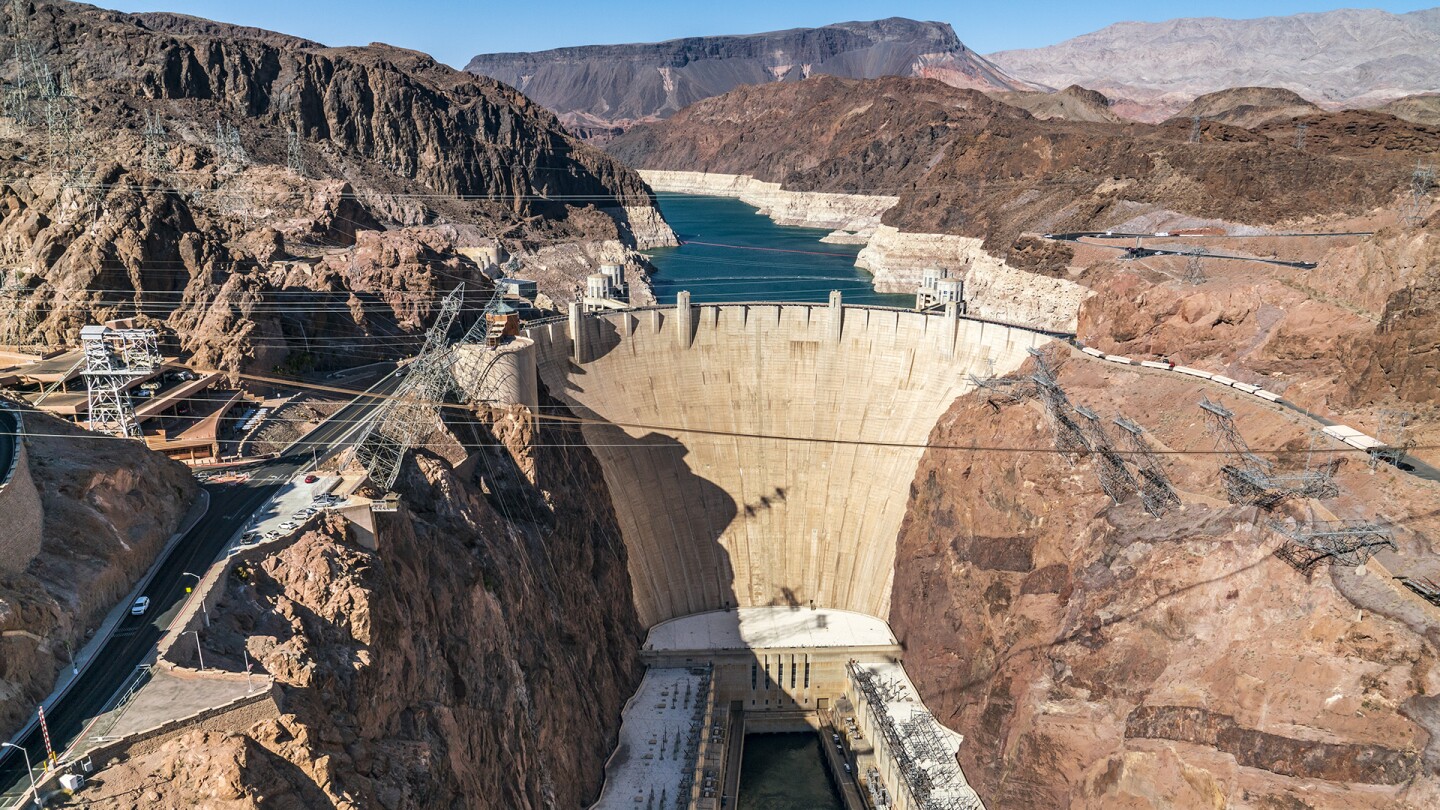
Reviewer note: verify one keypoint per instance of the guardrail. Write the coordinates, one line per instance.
(1059, 335)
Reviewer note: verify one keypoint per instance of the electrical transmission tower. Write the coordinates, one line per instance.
(1250, 480)
(156, 157)
(413, 409)
(113, 359)
(294, 155)
(1394, 433)
(1115, 477)
(1413, 207)
(1195, 129)
(1300, 128)
(229, 151)
(1194, 270)
(1336, 542)
(1157, 494)
(1069, 438)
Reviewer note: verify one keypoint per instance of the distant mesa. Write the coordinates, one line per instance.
(598, 89)
(1152, 70)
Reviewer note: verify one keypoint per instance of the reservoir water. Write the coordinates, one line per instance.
(785, 772)
(731, 253)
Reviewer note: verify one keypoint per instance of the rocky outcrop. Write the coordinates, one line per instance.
(598, 88)
(1345, 57)
(1248, 107)
(1074, 103)
(1422, 108)
(993, 289)
(1095, 657)
(477, 656)
(108, 509)
(201, 232)
(964, 164)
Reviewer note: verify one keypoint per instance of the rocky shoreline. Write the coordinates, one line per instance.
(896, 258)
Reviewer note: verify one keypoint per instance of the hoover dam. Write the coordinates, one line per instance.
(759, 458)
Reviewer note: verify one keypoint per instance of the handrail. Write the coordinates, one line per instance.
(1053, 333)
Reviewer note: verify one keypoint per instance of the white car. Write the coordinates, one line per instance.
(287, 526)
(141, 605)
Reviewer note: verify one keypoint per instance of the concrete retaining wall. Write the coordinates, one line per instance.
(19, 499)
(714, 520)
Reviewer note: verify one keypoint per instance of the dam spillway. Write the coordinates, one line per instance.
(751, 449)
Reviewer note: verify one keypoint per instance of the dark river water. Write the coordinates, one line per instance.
(785, 772)
(731, 253)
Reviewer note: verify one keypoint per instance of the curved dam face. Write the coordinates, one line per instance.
(713, 520)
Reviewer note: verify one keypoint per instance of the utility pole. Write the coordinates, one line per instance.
(29, 771)
(1300, 127)
(203, 609)
(198, 649)
(1195, 129)
(245, 653)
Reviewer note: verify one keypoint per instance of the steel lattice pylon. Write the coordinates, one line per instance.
(1115, 477)
(1250, 480)
(1336, 542)
(401, 421)
(18, 319)
(113, 359)
(1157, 494)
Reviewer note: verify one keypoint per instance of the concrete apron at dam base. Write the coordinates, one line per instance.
(759, 458)
(713, 677)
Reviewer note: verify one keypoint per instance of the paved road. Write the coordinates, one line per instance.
(115, 664)
(9, 427)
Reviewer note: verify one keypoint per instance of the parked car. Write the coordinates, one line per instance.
(141, 605)
(311, 478)
(287, 526)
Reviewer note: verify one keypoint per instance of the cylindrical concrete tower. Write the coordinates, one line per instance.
(950, 289)
(597, 285)
(505, 376)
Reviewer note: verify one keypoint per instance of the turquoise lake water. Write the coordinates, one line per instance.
(785, 772)
(731, 253)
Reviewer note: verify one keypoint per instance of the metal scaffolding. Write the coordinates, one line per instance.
(414, 408)
(1157, 494)
(1115, 477)
(1336, 542)
(113, 359)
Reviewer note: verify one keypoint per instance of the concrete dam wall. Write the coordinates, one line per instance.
(713, 520)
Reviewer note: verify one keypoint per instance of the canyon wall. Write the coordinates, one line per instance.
(19, 500)
(851, 213)
(475, 653)
(108, 508)
(993, 289)
(1096, 657)
(715, 514)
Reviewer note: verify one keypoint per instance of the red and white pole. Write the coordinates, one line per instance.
(45, 732)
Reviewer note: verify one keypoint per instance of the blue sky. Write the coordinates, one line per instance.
(455, 30)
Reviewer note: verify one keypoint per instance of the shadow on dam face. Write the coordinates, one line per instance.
(750, 450)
